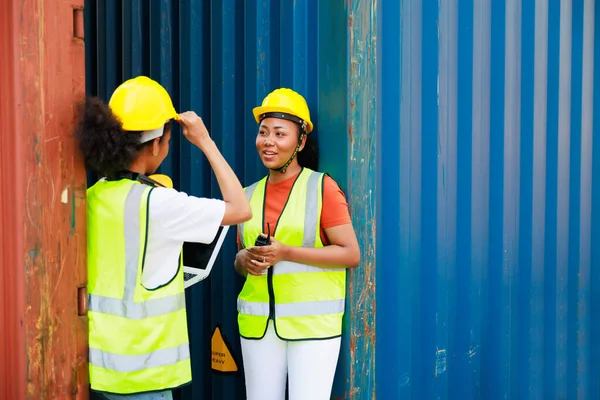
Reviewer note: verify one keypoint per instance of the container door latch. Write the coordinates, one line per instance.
(82, 300)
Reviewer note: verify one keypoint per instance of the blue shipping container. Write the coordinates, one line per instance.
(463, 135)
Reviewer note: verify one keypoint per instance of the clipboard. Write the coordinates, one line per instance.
(199, 258)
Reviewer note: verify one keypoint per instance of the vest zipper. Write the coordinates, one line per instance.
(271, 293)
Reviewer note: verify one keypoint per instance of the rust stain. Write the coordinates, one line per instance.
(55, 336)
(350, 131)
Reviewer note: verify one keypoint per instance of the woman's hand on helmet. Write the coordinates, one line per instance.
(194, 129)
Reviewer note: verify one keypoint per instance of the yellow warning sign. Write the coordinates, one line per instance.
(222, 359)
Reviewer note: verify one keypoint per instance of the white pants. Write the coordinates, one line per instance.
(310, 364)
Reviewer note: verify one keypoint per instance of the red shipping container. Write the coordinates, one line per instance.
(43, 340)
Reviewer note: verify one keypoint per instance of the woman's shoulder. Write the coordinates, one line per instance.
(176, 201)
(327, 179)
(331, 185)
(332, 192)
(167, 193)
(335, 205)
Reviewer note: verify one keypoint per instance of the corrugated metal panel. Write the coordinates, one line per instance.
(220, 59)
(488, 201)
(44, 334)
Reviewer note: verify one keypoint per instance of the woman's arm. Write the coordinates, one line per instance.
(237, 264)
(237, 209)
(343, 251)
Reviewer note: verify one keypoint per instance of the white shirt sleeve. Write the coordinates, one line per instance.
(176, 216)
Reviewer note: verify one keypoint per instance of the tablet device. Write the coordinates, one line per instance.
(199, 258)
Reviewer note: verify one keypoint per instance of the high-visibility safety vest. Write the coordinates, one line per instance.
(304, 301)
(138, 338)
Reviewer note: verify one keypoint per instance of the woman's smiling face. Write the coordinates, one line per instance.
(276, 141)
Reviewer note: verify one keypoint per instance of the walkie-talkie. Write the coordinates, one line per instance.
(262, 240)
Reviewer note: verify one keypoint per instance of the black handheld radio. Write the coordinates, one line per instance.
(264, 240)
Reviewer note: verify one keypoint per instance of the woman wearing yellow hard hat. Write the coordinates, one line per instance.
(136, 227)
(294, 253)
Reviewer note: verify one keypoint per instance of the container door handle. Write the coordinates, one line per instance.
(82, 300)
(78, 31)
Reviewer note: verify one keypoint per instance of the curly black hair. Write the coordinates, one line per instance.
(309, 156)
(106, 148)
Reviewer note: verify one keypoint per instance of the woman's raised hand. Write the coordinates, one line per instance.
(194, 129)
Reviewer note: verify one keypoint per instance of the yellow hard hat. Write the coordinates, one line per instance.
(285, 101)
(142, 104)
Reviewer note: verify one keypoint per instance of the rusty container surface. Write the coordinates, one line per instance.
(43, 349)
(12, 303)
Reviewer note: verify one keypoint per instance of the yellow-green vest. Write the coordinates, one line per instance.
(304, 301)
(138, 338)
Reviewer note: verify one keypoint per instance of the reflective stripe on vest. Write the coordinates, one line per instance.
(249, 192)
(129, 308)
(290, 267)
(124, 363)
(303, 309)
(133, 310)
(311, 213)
